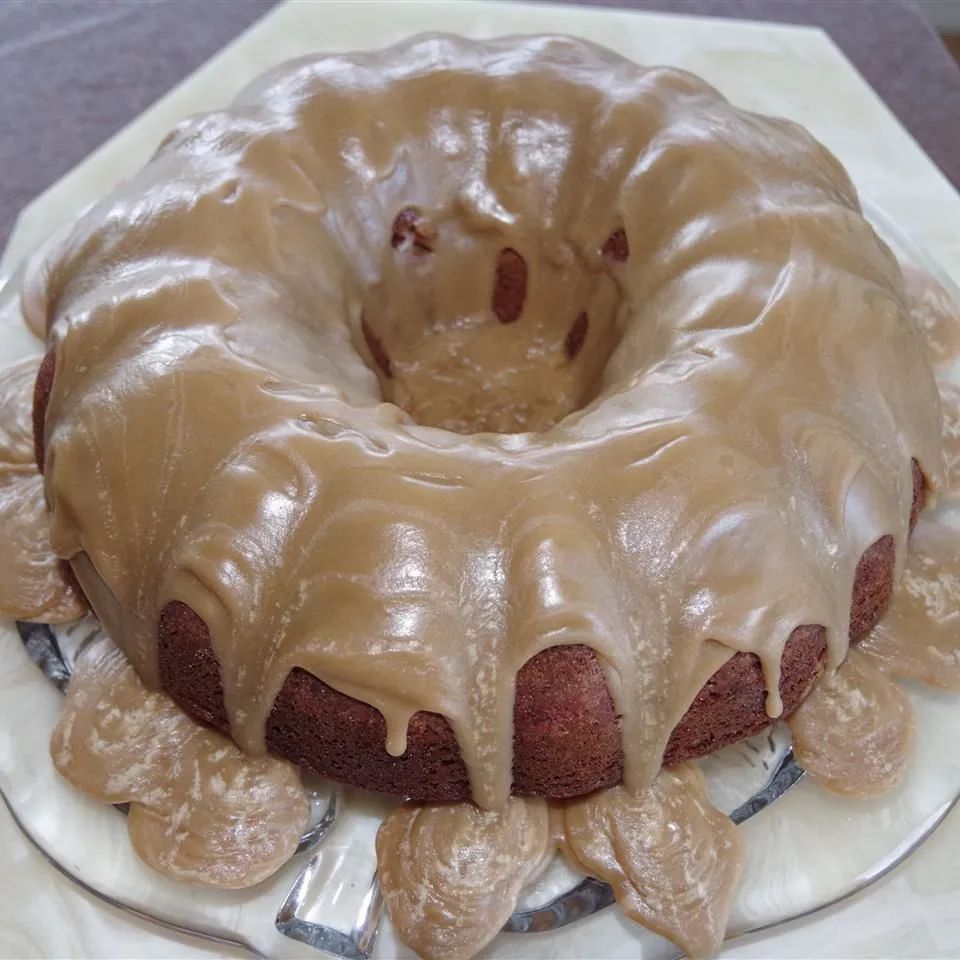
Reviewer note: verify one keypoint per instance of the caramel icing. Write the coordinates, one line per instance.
(200, 810)
(950, 401)
(919, 637)
(33, 585)
(733, 429)
(937, 315)
(674, 862)
(451, 873)
(854, 733)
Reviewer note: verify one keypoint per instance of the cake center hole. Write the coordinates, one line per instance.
(475, 339)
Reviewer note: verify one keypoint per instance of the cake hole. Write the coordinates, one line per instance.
(380, 356)
(412, 231)
(616, 247)
(573, 342)
(509, 286)
(481, 348)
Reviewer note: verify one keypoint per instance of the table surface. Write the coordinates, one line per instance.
(72, 74)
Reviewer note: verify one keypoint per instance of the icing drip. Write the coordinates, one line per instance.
(919, 637)
(936, 314)
(200, 811)
(673, 861)
(451, 873)
(854, 733)
(33, 585)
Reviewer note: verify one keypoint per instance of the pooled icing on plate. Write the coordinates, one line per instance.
(201, 811)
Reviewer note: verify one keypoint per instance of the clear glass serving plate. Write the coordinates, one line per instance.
(805, 849)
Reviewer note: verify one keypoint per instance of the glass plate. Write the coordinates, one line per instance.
(804, 851)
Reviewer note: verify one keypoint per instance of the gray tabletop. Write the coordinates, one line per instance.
(73, 73)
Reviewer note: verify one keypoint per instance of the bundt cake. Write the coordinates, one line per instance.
(477, 417)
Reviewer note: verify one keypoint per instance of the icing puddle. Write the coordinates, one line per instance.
(950, 402)
(936, 314)
(919, 637)
(200, 810)
(32, 581)
(854, 733)
(674, 862)
(451, 873)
